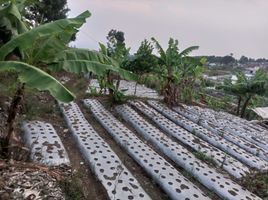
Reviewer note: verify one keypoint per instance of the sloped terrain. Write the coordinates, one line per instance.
(145, 150)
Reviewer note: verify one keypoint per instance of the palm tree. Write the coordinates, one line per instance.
(245, 88)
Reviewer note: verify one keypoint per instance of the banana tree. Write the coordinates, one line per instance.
(170, 61)
(11, 22)
(118, 59)
(46, 45)
(28, 72)
(190, 70)
(11, 19)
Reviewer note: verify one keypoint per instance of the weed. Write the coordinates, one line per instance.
(201, 156)
(257, 183)
(93, 91)
(71, 189)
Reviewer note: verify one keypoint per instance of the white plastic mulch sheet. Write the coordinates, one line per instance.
(216, 140)
(45, 144)
(213, 126)
(207, 175)
(235, 125)
(128, 87)
(254, 130)
(114, 176)
(170, 180)
(231, 165)
(262, 112)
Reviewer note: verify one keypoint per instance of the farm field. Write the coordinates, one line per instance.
(87, 114)
(144, 150)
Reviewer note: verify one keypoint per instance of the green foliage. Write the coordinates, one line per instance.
(190, 70)
(36, 78)
(228, 60)
(144, 61)
(61, 29)
(44, 11)
(246, 87)
(116, 46)
(243, 60)
(203, 157)
(119, 96)
(33, 51)
(93, 91)
(82, 61)
(11, 22)
(71, 187)
(257, 183)
(152, 81)
(11, 19)
(178, 70)
(216, 103)
(117, 55)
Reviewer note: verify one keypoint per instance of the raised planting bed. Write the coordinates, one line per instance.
(255, 130)
(231, 165)
(216, 129)
(169, 179)
(205, 174)
(258, 138)
(44, 143)
(247, 124)
(216, 140)
(128, 87)
(108, 168)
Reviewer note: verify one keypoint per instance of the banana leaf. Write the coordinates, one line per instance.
(25, 40)
(11, 18)
(86, 66)
(38, 79)
(84, 61)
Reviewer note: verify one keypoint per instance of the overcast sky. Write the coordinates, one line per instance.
(219, 27)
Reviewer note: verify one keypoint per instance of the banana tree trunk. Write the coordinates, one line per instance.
(135, 91)
(110, 82)
(12, 114)
(171, 93)
(118, 83)
(238, 105)
(245, 107)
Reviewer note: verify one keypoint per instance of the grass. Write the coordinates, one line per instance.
(257, 183)
(205, 158)
(71, 188)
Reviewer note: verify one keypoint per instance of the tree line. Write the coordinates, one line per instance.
(229, 59)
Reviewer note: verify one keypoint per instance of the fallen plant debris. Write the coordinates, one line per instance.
(21, 180)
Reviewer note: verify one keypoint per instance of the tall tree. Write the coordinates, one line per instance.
(143, 60)
(116, 50)
(229, 59)
(243, 60)
(43, 11)
(117, 46)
